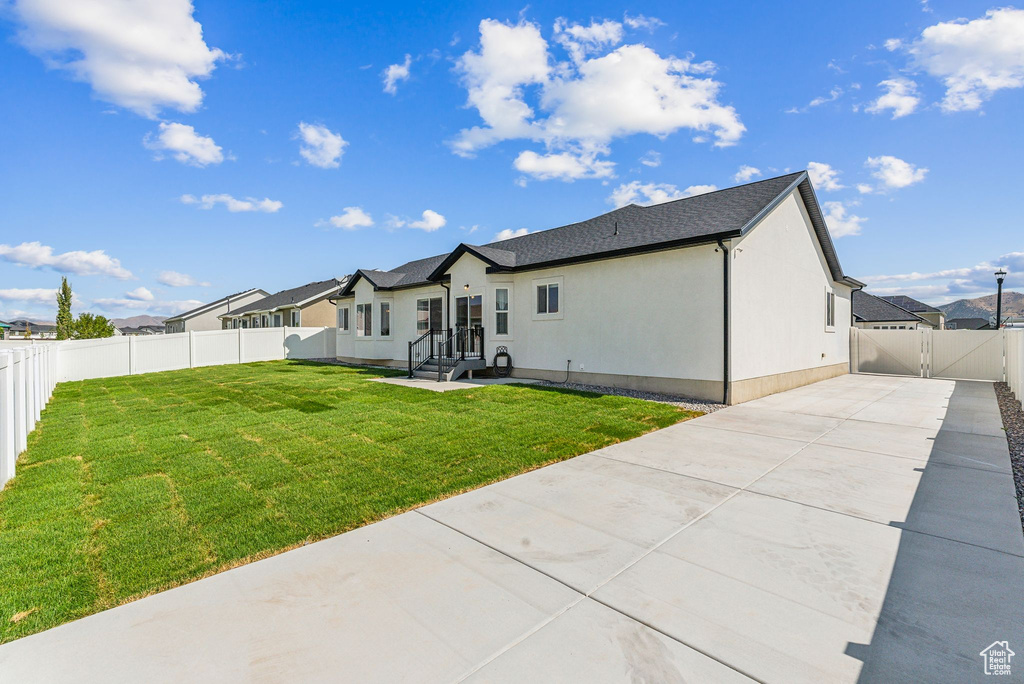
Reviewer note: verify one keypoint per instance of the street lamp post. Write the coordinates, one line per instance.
(1000, 274)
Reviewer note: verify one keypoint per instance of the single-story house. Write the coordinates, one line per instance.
(969, 324)
(929, 313)
(729, 295)
(141, 330)
(306, 305)
(877, 313)
(207, 316)
(4, 327)
(25, 329)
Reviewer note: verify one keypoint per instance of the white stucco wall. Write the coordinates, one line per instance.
(208, 319)
(654, 315)
(779, 280)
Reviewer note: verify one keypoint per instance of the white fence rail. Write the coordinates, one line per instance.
(28, 373)
(993, 355)
(27, 378)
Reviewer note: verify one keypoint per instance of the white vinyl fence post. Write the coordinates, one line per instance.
(20, 402)
(191, 348)
(40, 392)
(8, 446)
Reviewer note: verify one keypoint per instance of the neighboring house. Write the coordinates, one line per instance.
(732, 294)
(207, 316)
(4, 327)
(929, 313)
(24, 329)
(969, 324)
(306, 305)
(141, 330)
(876, 313)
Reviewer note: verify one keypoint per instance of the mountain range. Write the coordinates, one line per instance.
(984, 307)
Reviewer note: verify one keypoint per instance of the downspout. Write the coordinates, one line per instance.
(725, 321)
(447, 307)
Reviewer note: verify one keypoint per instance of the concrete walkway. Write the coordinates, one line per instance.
(863, 528)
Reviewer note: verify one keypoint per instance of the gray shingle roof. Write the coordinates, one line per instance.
(869, 308)
(967, 323)
(908, 303)
(203, 307)
(291, 296)
(629, 229)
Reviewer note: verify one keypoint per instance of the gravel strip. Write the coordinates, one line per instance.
(682, 402)
(1013, 422)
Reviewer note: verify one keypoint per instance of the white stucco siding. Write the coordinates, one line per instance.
(403, 322)
(652, 315)
(779, 280)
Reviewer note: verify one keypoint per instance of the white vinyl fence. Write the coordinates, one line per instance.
(27, 378)
(993, 355)
(28, 373)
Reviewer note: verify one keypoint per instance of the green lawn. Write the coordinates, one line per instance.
(135, 484)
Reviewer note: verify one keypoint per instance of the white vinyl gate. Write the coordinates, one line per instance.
(925, 353)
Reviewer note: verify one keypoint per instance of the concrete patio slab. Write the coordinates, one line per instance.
(592, 643)
(398, 600)
(691, 449)
(580, 521)
(770, 423)
(804, 537)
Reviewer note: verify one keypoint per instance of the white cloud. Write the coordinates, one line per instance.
(144, 56)
(40, 295)
(320, 146)
(642, 23)
(651, 158)
(37, 255)
(974, 59)
(115, 305)
(864, 188)
(395, 73)
(265, 205)
(901, 97)
(824, 177)
(580, 106)
(580, 41)
(945, 285)
(636, 192)
(894, 173)
(430, 222)
(565, 166)
(839, 222)
(351, 218)
(832, 96)
(509, 233)
(746, 173)
(175, 279)
(184, 144)
(140, 294)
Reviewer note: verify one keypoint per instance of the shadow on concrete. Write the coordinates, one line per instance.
(957, 584)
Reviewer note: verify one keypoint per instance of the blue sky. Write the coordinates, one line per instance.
(169, 154)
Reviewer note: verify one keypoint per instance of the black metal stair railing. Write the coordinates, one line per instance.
(423, 348)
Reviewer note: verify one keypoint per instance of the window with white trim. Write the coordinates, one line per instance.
(830, 309)
(428, 314)
(296, 318)
(342, 319)
(385, 319)
(547, 298)
(501, 305)
(364, 320)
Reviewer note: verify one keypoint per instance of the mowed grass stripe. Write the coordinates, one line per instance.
(135, 484)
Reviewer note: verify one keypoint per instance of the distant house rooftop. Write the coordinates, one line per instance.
(909, 303)
(867, 308)
(967, 324)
